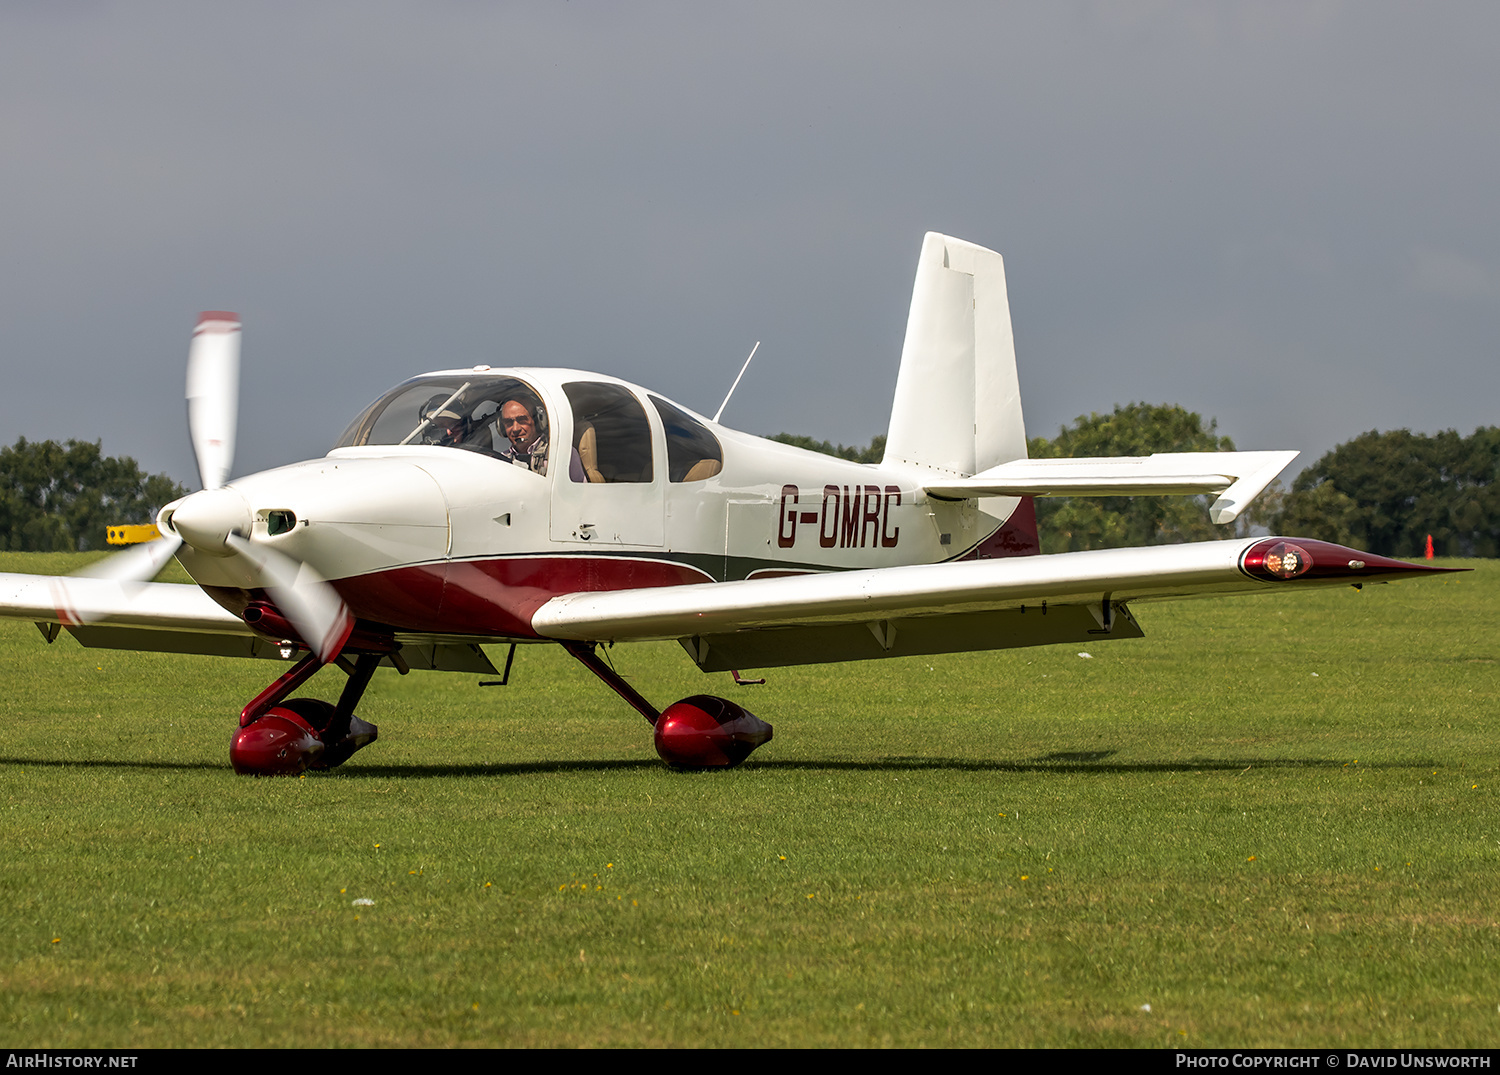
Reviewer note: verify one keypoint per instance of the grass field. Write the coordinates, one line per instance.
(1270, 822)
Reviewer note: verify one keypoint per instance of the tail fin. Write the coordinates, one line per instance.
(958, 405)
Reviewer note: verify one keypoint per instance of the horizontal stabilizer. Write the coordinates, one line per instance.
(1237, 478)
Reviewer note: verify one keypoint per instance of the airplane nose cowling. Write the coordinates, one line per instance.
(206, 519)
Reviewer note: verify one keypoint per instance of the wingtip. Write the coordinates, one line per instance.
(1278, 559)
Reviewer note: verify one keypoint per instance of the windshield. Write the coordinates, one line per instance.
(501, 416)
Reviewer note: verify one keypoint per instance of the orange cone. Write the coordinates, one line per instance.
(1429, 546)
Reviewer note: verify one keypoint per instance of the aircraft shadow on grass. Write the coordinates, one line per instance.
(1063, 762)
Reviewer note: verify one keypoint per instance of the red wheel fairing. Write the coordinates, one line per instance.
(704, 732)
(281, 743)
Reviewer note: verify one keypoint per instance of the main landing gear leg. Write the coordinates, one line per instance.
(701, 732)
(281, 736)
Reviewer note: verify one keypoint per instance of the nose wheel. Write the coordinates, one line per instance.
(281, 736)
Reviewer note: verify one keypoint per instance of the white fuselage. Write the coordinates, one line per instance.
(425, 537)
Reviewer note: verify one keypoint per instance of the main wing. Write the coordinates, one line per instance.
(947, 608)
(167, 616)
(763, 623)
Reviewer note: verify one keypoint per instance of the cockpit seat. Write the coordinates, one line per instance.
(588, 453)
(703, 468)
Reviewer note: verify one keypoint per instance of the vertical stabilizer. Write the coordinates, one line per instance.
(958, 405)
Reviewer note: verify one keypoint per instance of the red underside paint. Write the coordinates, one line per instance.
(1017, 536)
(488, 597)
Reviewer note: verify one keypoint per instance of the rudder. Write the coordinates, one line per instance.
(958, 404)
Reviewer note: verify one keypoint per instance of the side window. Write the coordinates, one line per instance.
(610, 433)
(693, 453)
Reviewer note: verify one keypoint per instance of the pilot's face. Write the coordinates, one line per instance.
(518, 424)
(445, 428)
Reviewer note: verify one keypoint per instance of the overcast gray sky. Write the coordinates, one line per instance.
(1281, 215)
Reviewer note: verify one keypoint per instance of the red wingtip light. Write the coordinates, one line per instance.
(1285, 560)
(1279, 560)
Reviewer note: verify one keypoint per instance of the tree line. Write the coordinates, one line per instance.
(1381, 492)
(873, 453)
(56, 497)
(1386, 492)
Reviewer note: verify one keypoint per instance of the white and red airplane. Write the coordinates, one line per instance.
(525, 505)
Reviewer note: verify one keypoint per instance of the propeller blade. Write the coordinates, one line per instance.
(140, 563)
(304, 597)
(213, 394)
(96, 591)
(312, 606)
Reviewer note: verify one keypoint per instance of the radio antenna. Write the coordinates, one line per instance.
(736, 381)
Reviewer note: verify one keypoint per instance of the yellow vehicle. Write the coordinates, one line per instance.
(132, 533)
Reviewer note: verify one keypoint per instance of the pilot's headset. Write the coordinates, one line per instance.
(539, 416)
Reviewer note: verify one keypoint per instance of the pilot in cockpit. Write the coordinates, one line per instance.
(444, 425)
(514, 429)
(527, 446)
(510, 430)
(524, 423)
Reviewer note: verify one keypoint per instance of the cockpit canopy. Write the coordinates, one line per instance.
(452, 410)
(506, 417)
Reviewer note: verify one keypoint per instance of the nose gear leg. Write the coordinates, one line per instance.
(281, 736)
